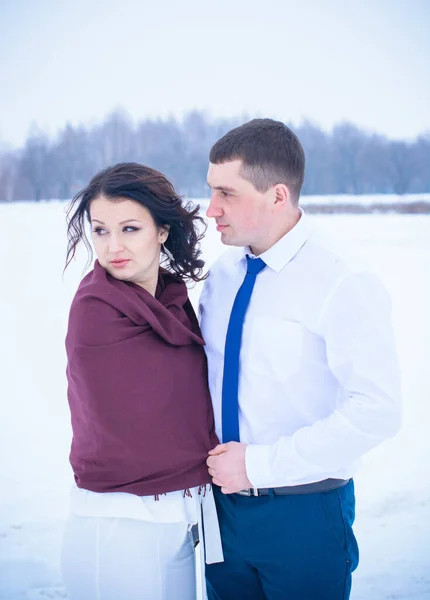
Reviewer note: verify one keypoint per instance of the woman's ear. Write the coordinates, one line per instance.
(164, 234)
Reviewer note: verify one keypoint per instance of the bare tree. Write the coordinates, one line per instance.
(35, 163)
(71, 161)
(8, 176)
(400, 167)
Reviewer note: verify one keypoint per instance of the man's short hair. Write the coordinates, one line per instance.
(270, 153)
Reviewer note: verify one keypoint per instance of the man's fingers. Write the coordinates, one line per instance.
(211, 462)
(218, 450)
(224, 487)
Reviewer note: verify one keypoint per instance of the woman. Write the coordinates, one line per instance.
(137, 388)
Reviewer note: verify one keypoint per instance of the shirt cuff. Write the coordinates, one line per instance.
(258, 460)
(277, 465)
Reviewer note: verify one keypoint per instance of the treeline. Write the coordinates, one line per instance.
(347, 160)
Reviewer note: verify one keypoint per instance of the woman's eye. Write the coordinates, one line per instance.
(99, 230)
(130, 228)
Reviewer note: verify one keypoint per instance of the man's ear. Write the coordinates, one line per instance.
(282, 195)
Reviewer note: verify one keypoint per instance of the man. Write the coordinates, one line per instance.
(303, 375)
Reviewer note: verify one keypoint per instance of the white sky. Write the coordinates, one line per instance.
(327, 60)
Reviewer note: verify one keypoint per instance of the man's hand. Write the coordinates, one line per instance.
(226, 464)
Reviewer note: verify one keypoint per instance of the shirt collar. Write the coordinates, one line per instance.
(287, 247)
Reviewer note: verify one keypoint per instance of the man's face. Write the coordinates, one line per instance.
(243, 215)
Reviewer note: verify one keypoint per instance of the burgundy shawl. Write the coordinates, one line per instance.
(137, 387)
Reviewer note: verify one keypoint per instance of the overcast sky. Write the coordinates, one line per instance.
(366, 61)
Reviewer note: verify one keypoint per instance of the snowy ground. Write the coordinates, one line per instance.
(393, 489)
(365, 199)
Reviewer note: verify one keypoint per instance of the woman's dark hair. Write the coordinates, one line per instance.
(270, 153)
(152, 190)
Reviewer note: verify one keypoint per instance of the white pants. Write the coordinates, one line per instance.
(115, 558)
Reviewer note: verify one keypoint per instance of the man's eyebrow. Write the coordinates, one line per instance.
(221, 188)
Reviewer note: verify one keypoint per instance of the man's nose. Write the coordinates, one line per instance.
(214, 210)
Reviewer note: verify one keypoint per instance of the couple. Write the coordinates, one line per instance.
(246, 428)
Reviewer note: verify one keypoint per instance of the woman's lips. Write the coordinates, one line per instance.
(120, 262)
(221, 227)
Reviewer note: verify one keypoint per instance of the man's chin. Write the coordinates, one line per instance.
(229, 240)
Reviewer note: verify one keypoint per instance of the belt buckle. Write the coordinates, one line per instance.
(249, 492)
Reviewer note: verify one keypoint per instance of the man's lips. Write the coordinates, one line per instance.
(221, 227)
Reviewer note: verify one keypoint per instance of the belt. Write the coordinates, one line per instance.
(291, 490)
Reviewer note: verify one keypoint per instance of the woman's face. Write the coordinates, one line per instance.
(126, 240)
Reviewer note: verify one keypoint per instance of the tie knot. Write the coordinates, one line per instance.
(255, 265)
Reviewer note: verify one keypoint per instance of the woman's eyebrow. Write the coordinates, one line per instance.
(121, 223)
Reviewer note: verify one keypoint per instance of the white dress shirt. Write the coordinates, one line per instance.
(319, 379)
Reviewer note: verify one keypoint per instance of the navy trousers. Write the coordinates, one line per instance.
(298, 547)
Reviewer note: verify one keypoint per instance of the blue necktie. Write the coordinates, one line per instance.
(230, 382)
